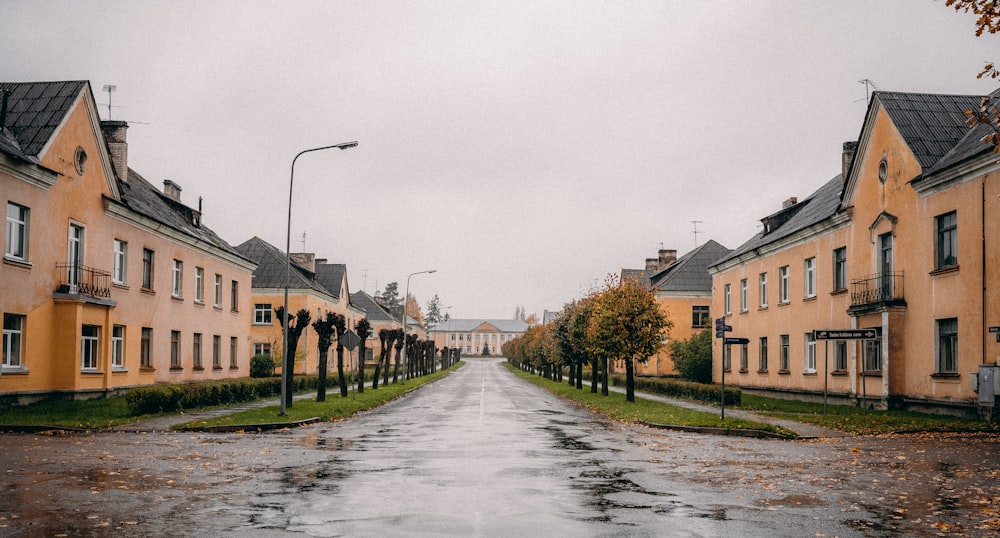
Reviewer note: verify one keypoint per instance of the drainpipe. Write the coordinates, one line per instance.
(983, 268)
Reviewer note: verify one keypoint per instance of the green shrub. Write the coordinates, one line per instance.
(693, 357)
(168, 398)
(690, 390)
(262, 365)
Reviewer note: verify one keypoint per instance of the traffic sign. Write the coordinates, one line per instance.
(738, 341)
(349, 339)
(845, 334)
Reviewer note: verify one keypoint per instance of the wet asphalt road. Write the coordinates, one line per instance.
(481, 453)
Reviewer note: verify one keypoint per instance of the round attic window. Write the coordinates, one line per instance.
(81, 161)
(883, 170)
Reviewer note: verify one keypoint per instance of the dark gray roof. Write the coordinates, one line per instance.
(930, 124)
(641, 276)
(690, 271)
(331, 276)
(819, 206)
(374, 311)
(142, 197)
(270, 272)
(36, 109)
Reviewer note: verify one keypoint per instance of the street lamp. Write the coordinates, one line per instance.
(288, 271)
(403, 321)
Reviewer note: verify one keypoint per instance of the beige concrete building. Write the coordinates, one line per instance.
(472, 336)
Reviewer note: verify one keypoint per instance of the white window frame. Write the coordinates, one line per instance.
(727, 299)
(809, 277)
(74, 253)
(218, 291)
(263, 314)
(261, 348)
(783, 295)
(89, 348)
(13, 341)
(118, 347)
(744, 295)
(177, 286)
(18, 228)
(810, 353)
(119, 273)
(199, 285)
(784, 353)
(762, 289)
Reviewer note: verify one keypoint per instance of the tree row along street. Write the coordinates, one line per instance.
(483, 453)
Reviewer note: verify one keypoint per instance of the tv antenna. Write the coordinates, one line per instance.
(110, 88)
(303, 241)
(869, 85)
(365, 276)
(695, 232)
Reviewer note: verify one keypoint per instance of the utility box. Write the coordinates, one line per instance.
(989, 384)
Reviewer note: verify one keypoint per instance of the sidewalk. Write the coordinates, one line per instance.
(165, 423)
(804, 430)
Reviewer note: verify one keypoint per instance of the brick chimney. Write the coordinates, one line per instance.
(172, 190)
(305, 259)
(652, 264)
(789, 202)
(666, 258)
(114, 137)
(850, 150)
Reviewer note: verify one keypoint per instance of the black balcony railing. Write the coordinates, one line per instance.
(83, 280)
(883, 288)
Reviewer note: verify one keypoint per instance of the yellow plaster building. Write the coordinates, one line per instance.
(107, 282)
(903, 241)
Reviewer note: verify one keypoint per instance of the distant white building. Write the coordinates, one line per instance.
(473, 335)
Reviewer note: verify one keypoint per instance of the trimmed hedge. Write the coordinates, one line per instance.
(168, 398)
(682, 389)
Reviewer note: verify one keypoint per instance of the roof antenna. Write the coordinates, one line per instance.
(869, 85)
(110, 88)
(695, 232)
(303, 241)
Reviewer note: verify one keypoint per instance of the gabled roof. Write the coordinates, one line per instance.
(37, 109)
(469, 325)
(374, 311)
(640, 276)
(142, 197)
(331, 276)
(930, 124)
(270, 272)
(690, 271)
(818, 207)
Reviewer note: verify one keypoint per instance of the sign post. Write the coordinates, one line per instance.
(720, 332)
(842, 334)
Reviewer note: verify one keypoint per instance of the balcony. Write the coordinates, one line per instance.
(876, 291)
(83, 280)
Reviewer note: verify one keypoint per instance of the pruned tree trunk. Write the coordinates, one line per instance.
(629, 381)
(340, 371)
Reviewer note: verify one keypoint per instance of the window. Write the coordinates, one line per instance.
(783, 284)
(762, 361)
(262, 314)
(744, 357)
(74, 258)
(262, 348)
(178, 280)
(947, 240)
(762, 289)
(783, 358)
(235, 297)
(120, 264)
(840, 356)
(947, 351)
(118, 347)
(218, 291)
(16, 246)
(809, 274)
(175, 350)
(873, 355)
(810, 357)
(840, 269)
(88, 347)
(743, 295)
(216, 352)
(232, 353)
(727, 299)
(146, 348)
(699, 316)
(196, 350)
(13, 340)
(199, 284)
(147, 269)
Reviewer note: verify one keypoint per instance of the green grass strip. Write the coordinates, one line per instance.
(615, 407)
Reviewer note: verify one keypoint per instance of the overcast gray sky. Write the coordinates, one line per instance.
(524, 149)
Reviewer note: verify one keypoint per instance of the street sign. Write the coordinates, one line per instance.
(995, 329)
(848, 334)
(737, 341)
(349, 339)
(721, 328)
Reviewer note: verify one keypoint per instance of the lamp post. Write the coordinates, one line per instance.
(288, 271)
(403, 321)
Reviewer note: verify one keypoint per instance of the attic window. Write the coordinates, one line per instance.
(883, 170)
(80, 160)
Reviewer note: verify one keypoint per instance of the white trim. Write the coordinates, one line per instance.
(31, 173)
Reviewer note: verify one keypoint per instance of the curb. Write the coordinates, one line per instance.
(38, 428)
(734, 432)
(235, 428)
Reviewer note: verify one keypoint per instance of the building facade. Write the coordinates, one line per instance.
(108, 283)
(473, 336)
(904, 242)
